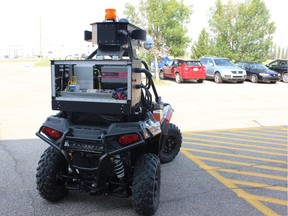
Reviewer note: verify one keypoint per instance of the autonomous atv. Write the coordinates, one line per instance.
(110, 134)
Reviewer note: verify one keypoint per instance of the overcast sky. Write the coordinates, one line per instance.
(63, 21)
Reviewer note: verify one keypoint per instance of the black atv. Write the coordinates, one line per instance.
(109, 136)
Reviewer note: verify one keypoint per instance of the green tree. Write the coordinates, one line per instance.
(165, 21)
(241, 30)
(202, 46)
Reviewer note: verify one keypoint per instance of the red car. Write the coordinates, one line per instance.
(181, 70)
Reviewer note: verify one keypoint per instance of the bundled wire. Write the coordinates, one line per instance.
(130, 49)
(148, 99)
(120, 94)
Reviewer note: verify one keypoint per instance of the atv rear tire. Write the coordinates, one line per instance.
(146, 184)
(49, 180)
(172, 145)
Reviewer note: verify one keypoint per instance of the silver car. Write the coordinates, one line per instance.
(222, 69)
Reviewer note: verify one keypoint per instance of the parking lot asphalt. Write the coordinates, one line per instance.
(232, 162)
(250, 162)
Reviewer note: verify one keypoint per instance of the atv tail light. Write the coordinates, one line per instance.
(168, 116)
(158, 115)
(54, 134)
(128, 139)
(110, 14)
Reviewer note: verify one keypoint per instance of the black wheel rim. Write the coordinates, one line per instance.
(170, 145)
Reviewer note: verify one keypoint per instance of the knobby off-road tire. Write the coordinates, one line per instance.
(146, 184)
(172, 145)
(51, 166)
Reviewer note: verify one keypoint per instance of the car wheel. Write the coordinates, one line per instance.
(146, 184)
(254, 78)
(218, 78)
(178, 78)
(172, 144)
(200, 81)
(161, 75)
(50, 184)
(285, 78)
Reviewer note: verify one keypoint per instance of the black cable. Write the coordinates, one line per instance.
(130, 49)
(146, 99)
(145, 64)
(150, 82)
(130, 52)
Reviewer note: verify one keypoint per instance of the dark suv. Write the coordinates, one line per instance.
(281, 67)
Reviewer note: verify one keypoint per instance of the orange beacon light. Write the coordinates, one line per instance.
(110, 14)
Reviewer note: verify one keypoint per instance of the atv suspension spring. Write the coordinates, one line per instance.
(118, 167)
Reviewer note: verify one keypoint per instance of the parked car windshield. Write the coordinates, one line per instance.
(258, 66)
(223, 62)
(193, 63)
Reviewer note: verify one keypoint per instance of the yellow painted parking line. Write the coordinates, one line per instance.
(278, 129)
(234, 129)
(242, 135)
(255, 174)
(250, 141)
(283, 128)
(259, 185)
(267, 128)
(263, 134)
(236, 155)
(242, 163)
(240, 193)
(269, 199)
(240, 149)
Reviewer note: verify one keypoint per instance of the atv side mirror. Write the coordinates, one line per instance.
(148, 44)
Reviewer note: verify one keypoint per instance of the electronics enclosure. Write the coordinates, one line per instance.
(91, 97)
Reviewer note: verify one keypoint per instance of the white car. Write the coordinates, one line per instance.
(222, 69)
